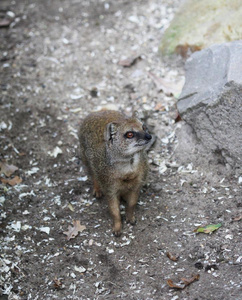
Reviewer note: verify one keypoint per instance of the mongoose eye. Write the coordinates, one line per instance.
(144, 127)
(129, 135)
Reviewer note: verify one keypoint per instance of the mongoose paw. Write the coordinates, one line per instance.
(131, 221)
(97, 193)
(117, 230)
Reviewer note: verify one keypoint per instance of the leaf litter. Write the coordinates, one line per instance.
(184, 282)
(130, 61)
(208, 229)
(7, 169)
(172, 256)
(168, 87)
(65, 169)
(72, 232)
(14, 181)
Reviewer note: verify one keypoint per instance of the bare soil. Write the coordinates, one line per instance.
(59, 61)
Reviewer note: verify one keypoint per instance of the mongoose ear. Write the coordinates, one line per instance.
(111, 130)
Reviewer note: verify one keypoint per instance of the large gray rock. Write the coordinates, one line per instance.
(211, 100)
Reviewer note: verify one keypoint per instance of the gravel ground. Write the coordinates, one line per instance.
(59, 61)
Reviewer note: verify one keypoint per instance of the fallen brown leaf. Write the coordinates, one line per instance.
(6, 169)
(186, 49)
(183, 283)
(22, 154)
(178, 118)
(5, 22)
(171, 256)
(57, 283)
(188, 281)
(175, 285)
(14, 181)
(159, 107)
(73, 231)
(130, 61)
(238, 218)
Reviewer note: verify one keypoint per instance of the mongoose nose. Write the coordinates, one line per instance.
(148, 136)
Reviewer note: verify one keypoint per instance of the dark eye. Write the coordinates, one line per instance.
(129, 135)
(144, 127)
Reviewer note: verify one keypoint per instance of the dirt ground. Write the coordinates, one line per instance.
(59, 61)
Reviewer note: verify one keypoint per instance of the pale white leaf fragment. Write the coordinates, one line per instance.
(73, 287)
(71, 208)
(26, 227)
(26, 194)
(48, 182)
(10, 14)
(204, 190)
(32, 171)
(134, 19)
(57, 200)
(109, 250)
(76, 97)
(229, 236)
(75, 110)
(97, 284)
(16, 226)
(65, 41)
(2, 199)
(165, 140)
(162, 168)
(3, 126)
(45, 229)
(84, 178)
(80, 269)
(5, 269)
(239, 260)
(55, 152)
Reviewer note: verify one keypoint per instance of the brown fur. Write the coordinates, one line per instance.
(117, 165)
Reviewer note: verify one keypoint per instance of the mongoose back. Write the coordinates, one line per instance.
(113, 148)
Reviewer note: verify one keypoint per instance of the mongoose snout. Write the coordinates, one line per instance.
(113, 149)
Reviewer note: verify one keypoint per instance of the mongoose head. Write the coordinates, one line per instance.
(128, 137)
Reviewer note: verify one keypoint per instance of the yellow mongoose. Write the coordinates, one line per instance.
(113, 148)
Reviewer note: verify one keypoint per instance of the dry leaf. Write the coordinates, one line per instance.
(71, 208)
(188, 281)
(6, 169)
(175, 285)
(57, 283)
(186, 49)
(183, 283)
(73, 231)
(160, 107)
(178, 118)
(208, 229)
(238, 218)
(5, 22)
(168, 87)
(130, 61)
(14, 181)
(171, 256)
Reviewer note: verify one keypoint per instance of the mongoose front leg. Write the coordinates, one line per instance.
(96, 189)
(114, 209)
(131, 200)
